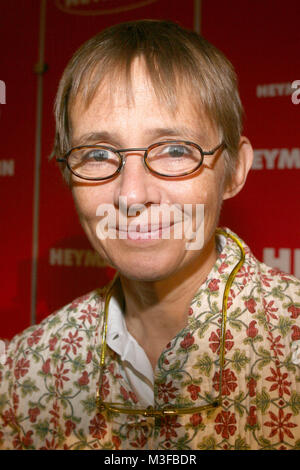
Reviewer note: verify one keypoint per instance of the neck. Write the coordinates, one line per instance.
(156, 311)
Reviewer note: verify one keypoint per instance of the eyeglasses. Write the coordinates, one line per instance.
(169, 411)
(170, 158)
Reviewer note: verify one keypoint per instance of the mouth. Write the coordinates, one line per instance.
(143, 228)
(143, 232)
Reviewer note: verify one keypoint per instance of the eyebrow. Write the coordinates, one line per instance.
(92, 137)
(179, 132)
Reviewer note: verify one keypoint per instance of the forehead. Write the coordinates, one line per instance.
(131, 107)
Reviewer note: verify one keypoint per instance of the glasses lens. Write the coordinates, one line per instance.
(174, 159)
(93, 162)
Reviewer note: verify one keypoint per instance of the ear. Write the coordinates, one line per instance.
(243, 164)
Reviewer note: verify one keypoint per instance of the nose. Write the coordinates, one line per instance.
(134, 181)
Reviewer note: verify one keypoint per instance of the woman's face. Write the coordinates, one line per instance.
(121, 124)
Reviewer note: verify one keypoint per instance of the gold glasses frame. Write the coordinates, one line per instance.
(120, 154)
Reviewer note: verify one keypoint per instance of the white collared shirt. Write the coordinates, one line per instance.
(135, 362)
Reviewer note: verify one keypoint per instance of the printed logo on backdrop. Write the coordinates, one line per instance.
(2, 92)
(280, 159)
(7, 167)
(273, 90)
(284, 259)
(73, 257)
(99, 7)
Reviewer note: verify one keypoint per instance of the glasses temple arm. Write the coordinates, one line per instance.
(211, 152)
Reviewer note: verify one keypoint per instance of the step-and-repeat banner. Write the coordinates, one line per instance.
(46, 260)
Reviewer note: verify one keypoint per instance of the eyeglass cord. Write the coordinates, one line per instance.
(151, 411)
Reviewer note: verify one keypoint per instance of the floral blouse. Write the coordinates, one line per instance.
(50, 375)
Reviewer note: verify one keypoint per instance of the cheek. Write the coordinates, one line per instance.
(206, 189)
(86, 202)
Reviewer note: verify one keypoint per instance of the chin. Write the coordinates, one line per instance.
(144, 275)
(151, 263)
(140, 267)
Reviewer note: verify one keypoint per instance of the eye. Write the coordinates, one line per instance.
(98, 155)
(176, 151)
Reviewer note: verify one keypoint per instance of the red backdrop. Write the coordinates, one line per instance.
(262, 40)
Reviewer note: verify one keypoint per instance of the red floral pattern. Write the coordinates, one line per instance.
(225, 424)
(193, 391)
(21, 369)
(169, 427)
(294, 310)
(166, 391)
(229, 382)
(98, 426)
(252, 417)
(187, 342)
(49, 381)
(252, 330)
(281, 424)
(250, 304)
(196, 419)
(280, 382)
(215, 339)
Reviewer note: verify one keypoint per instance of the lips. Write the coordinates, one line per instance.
(143, 231)
(143, 235)
(148, 228)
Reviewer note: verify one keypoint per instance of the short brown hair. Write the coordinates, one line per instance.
(173, 56)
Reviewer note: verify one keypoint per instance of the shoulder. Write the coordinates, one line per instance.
(62, 332)
(273, 283)
(79, 313)
(46, 361)
(271, 280)
(269, 297)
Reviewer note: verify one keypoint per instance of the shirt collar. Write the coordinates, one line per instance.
(120, 340)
